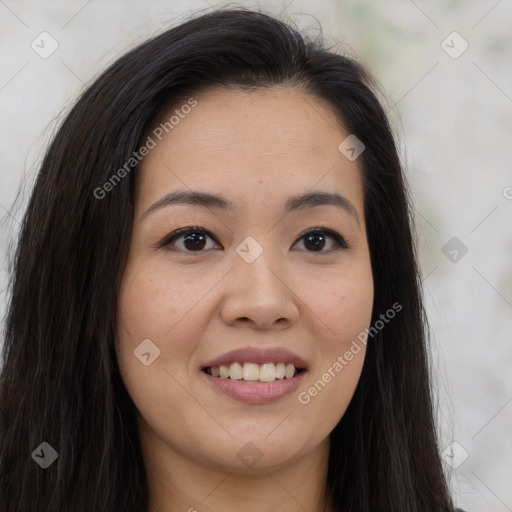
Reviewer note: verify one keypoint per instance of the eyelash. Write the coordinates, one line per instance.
(175, 235)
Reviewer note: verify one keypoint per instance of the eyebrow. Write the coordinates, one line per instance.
(295, 203)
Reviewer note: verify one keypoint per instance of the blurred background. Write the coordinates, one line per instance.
(446, 72)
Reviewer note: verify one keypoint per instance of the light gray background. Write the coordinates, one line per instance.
(454, 120)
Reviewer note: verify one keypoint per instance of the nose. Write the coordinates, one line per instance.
(260, 294)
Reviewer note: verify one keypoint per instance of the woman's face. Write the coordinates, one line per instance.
(250, 291)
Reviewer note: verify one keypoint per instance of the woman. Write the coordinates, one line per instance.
(179, 337)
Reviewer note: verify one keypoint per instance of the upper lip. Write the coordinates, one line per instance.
(257, 356)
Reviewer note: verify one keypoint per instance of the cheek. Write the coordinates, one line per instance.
(152, 306)
(146, 302)
(343, 309)
(155, 300)
(342, 306)
(157, 305)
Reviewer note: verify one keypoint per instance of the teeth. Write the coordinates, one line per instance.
(251, 371)
(235, 371)
(289, 371)
(267, 372)
(280, 370)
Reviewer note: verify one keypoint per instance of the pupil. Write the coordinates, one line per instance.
(315, 236)
(195, 245)
(198, 241)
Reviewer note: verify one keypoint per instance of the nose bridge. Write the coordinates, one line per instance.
(256, 265)
(258, 291)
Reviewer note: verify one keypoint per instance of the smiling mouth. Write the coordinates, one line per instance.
(252, 372)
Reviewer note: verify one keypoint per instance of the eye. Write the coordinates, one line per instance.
(315, 239)
(194, 239)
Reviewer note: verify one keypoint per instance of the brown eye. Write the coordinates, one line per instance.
(315, 240)
(194, 239)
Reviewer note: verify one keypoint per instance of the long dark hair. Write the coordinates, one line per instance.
(60, 382)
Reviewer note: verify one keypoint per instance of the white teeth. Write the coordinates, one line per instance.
(251, 371)
(289, 371)
(235, 371)
(267, 372)
(280, 370)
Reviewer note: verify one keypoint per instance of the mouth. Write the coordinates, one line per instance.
(254, 375)
(253, 372)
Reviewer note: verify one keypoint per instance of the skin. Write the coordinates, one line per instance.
(257, 149)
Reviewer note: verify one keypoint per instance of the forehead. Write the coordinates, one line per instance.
(259, 144)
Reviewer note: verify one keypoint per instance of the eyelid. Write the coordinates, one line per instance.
(341, 242)
(177, 233)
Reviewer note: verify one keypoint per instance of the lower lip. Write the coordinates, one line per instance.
(255, 392)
